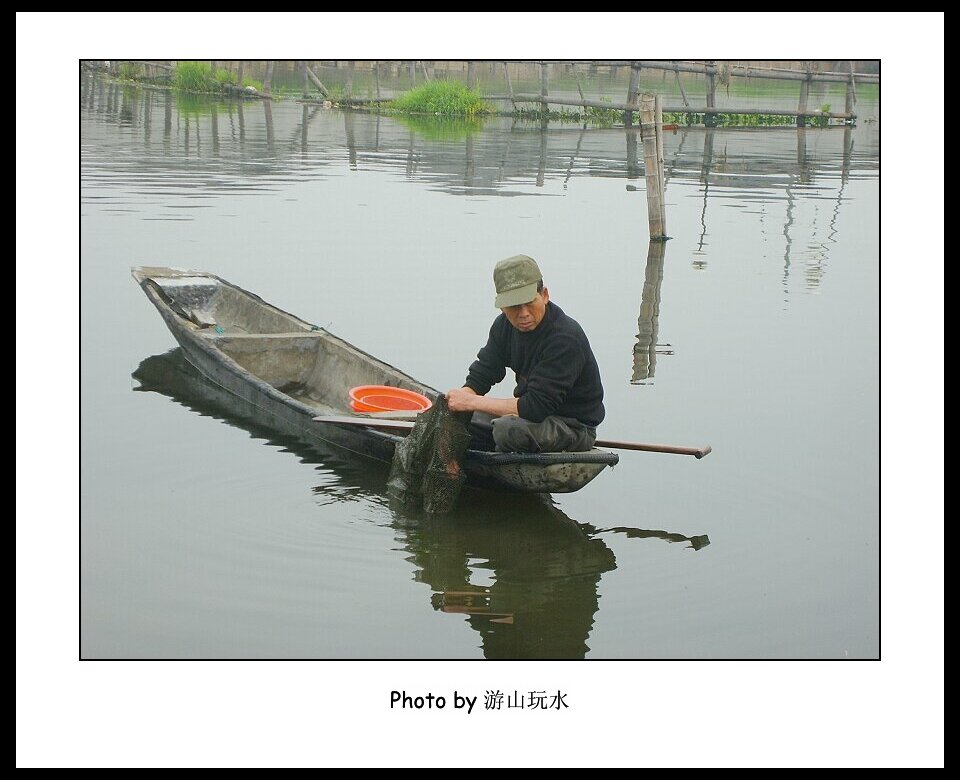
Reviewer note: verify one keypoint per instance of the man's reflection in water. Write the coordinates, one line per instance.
(544, 570)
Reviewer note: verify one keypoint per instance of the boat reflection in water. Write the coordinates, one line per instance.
(540, 597)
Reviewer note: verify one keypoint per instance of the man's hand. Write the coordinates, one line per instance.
(465, 399)
(462, 399)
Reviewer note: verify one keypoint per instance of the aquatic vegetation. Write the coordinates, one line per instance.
(602, 117)
(130, 71)
(721, 119)
(194, 77)
(200, 77)
(446, 98)
(441, 128)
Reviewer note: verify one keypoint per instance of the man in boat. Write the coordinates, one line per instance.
(558, 401)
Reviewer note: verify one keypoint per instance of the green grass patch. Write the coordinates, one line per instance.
(446, 98)
(195, 77)
(200, 77)
(130, 71)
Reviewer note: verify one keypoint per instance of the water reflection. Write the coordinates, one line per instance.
(783, 175)
(504, 152)
(646, 349)
(545, 570)
(540, 569)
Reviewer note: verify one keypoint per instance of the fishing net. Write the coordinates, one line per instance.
(426, 469)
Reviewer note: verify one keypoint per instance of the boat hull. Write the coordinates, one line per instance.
(292, 371)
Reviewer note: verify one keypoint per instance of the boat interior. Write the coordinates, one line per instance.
(298, 359)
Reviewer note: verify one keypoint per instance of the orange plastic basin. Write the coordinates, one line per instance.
(381, 398)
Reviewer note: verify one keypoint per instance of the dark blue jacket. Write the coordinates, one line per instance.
(555, 368)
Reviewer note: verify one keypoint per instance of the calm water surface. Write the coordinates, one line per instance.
(205, 534)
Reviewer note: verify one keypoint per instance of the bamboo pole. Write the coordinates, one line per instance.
(802, 105)
(316, 82)
(655, 210)
(471, 74)
(633, 162)
(711, 118)
(348, 86)
(506, 72)
(746, 72)
(678, 109)
(268, 78)
(413, 72)
(543, 89)
(542, 164)
(658, 110)
(851, 94)
(680, 85)
(576, 75)
(632, 90)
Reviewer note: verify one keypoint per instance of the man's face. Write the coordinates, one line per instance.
(527, 316)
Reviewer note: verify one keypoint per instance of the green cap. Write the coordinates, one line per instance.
(516, 279)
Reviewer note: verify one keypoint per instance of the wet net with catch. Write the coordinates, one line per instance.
(426, 470)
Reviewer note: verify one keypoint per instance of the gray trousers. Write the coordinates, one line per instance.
(554, 434)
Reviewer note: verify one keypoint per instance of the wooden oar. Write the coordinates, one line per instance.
(404, 425)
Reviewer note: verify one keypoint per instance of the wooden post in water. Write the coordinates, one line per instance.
(804, 93)
(506, 71)
(268, 78)
(710, 118)
(683, 94)
(471, 74)
(348, 86)
(658, 111)
(576, 75)
(304, 79)
(316, 82)
(632, 90)
(376, 76)
(543, 91)
(240, 74)
(851, 94)
(413, 72)
(652, 163)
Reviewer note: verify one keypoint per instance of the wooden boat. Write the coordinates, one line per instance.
(294, 371)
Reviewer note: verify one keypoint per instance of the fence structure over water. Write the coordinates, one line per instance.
(484, 73)
(714, 72)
